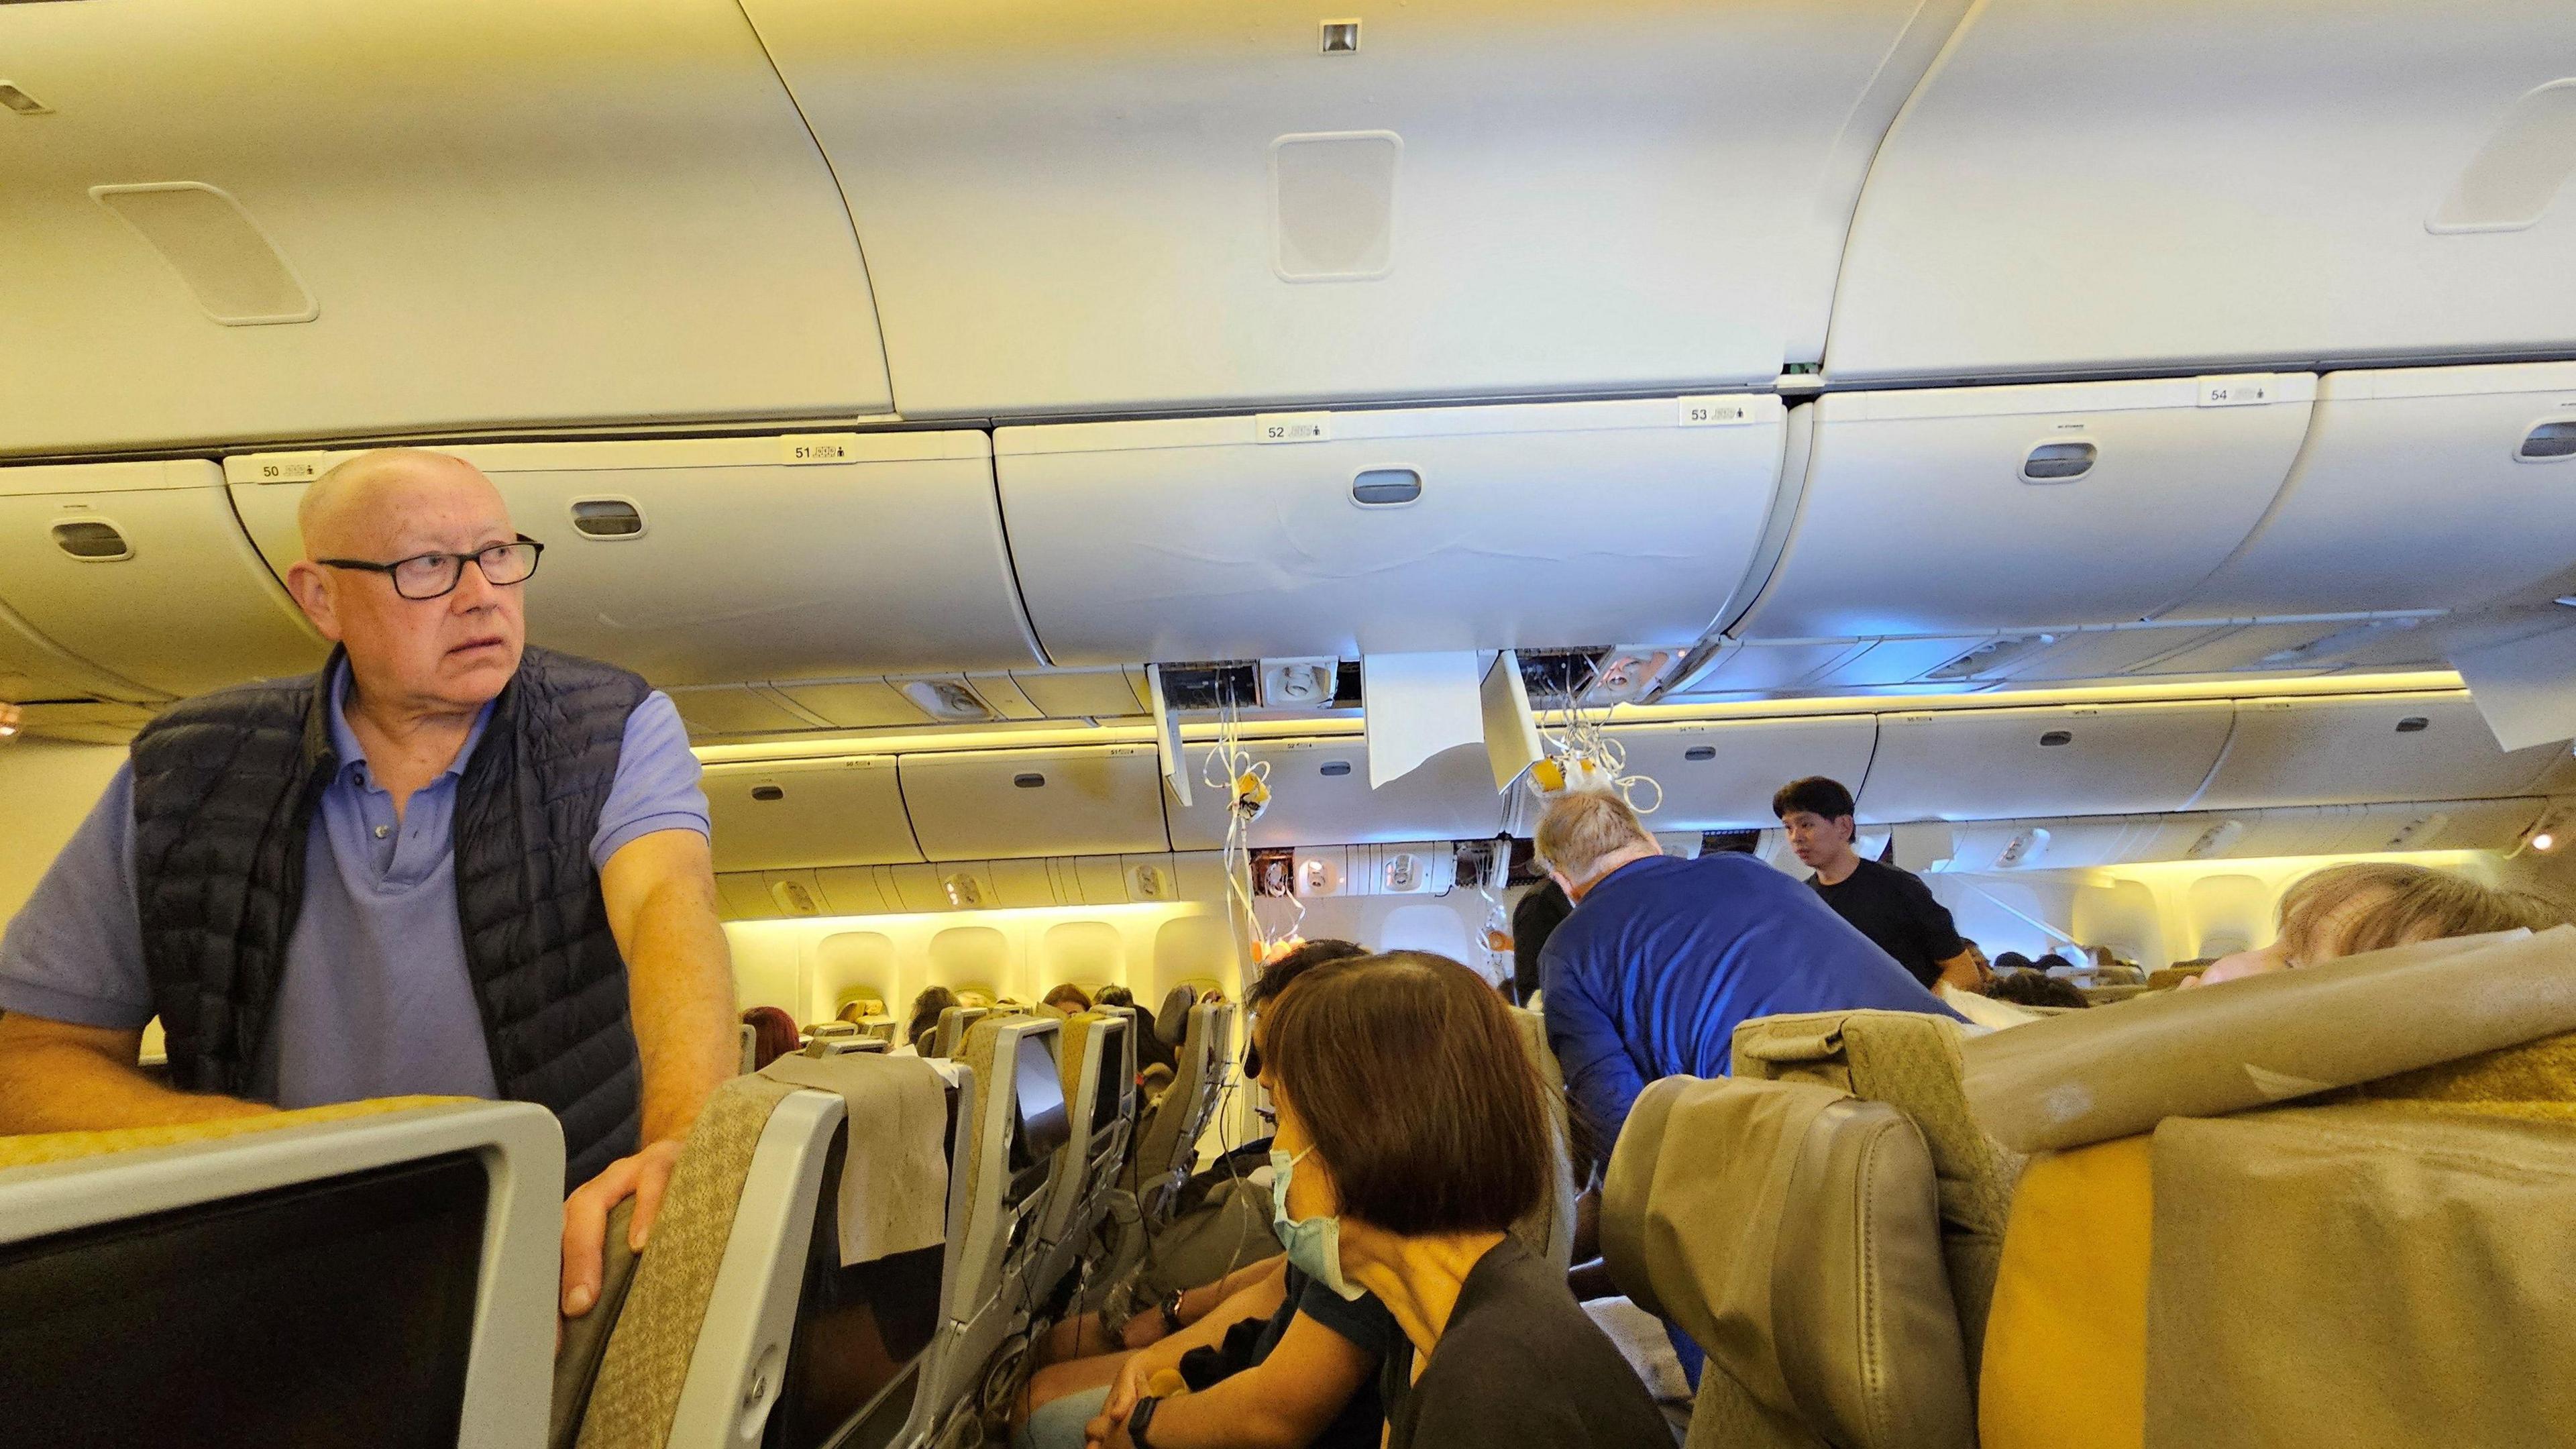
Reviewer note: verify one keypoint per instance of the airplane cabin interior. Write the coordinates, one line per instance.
(1115, 491)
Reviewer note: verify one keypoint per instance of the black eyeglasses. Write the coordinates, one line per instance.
(436, 575)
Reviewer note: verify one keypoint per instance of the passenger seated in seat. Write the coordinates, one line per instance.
(1281, 1363)
(2345, 910)
(774, 1034)
(1412, 1134)
(924, 1027)
(2036, 988)
(1151, 1050)
(1242, 1332)
(1068, 998)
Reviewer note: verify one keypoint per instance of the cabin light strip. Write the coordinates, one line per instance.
(1025, 736)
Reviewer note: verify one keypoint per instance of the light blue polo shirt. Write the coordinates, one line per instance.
(376, 1000)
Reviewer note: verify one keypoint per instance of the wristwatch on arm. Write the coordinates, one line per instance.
(1170, 1303)
(1140, 1419)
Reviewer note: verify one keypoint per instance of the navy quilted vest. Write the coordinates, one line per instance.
(226, 787)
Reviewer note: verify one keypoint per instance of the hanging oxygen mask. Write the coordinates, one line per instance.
(1246, 781)
(1584, 758)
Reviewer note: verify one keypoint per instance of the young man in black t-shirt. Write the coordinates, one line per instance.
(1890, 906)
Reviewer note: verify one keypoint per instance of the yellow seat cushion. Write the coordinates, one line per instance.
(39, 1147)
(2065, 1364)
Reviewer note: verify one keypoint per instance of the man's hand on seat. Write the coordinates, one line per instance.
(643, 1177)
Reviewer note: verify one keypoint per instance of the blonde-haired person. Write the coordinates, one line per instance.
(2346, 910)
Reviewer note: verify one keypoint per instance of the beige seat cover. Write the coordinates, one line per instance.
(2365, 1277)
(1549, 1231)
(647, 1360)
(1911, 1061)
(1792, 1231)
(2094, 1075)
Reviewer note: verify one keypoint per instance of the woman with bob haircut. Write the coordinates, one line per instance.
(1413, 1132)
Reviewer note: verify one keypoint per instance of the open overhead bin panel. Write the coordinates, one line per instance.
(1009, 804)
(1320, 795)
(1721, 776)
(1557, 525)
(141, 570)
(2361, 749)
(2423, 488)
(1084, 208)
(1982, 764)
(261, 220)
(34, 667)
(797, 814)
(720, 560)
(2132, 182)
(1994, 509)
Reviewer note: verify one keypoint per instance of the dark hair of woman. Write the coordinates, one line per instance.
(925, 1014)
(1411, 1079)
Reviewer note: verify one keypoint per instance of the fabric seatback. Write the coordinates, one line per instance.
(654, 1332)
(1549, 1231)
(1793, 1231)
(1911, 1061)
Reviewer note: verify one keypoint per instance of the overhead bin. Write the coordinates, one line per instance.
(1320, 795)
(1146, 206)
(2286, 647)
(1984, 764)
(2426, 488)
(573, 224)
(1967, 509)
(140, 570)
(793, 814)
(2079, 187)
(1721, 776)
(719, 560)
(2365, 748)
(1555, 525)
(1766, 668)
(1007, 804)
(34, 667)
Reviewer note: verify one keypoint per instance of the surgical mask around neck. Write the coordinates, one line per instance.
(1314, 1244)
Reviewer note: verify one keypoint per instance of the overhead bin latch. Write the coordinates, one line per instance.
(2548, 442)
(2059, 462)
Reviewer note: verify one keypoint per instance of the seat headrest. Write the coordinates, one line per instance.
(1794, 1231)
(1172, 1022)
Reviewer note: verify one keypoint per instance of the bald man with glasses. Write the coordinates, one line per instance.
(447, 864)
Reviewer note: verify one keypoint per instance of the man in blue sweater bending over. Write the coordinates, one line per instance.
(1662, 957)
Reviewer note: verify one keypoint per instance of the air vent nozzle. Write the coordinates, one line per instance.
(92, 541)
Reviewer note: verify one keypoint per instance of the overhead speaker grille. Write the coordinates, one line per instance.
(2513, 179)
(1334, 205)
(214, 246)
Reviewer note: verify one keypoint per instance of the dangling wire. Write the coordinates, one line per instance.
(1246, 783)
(1586, 757)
